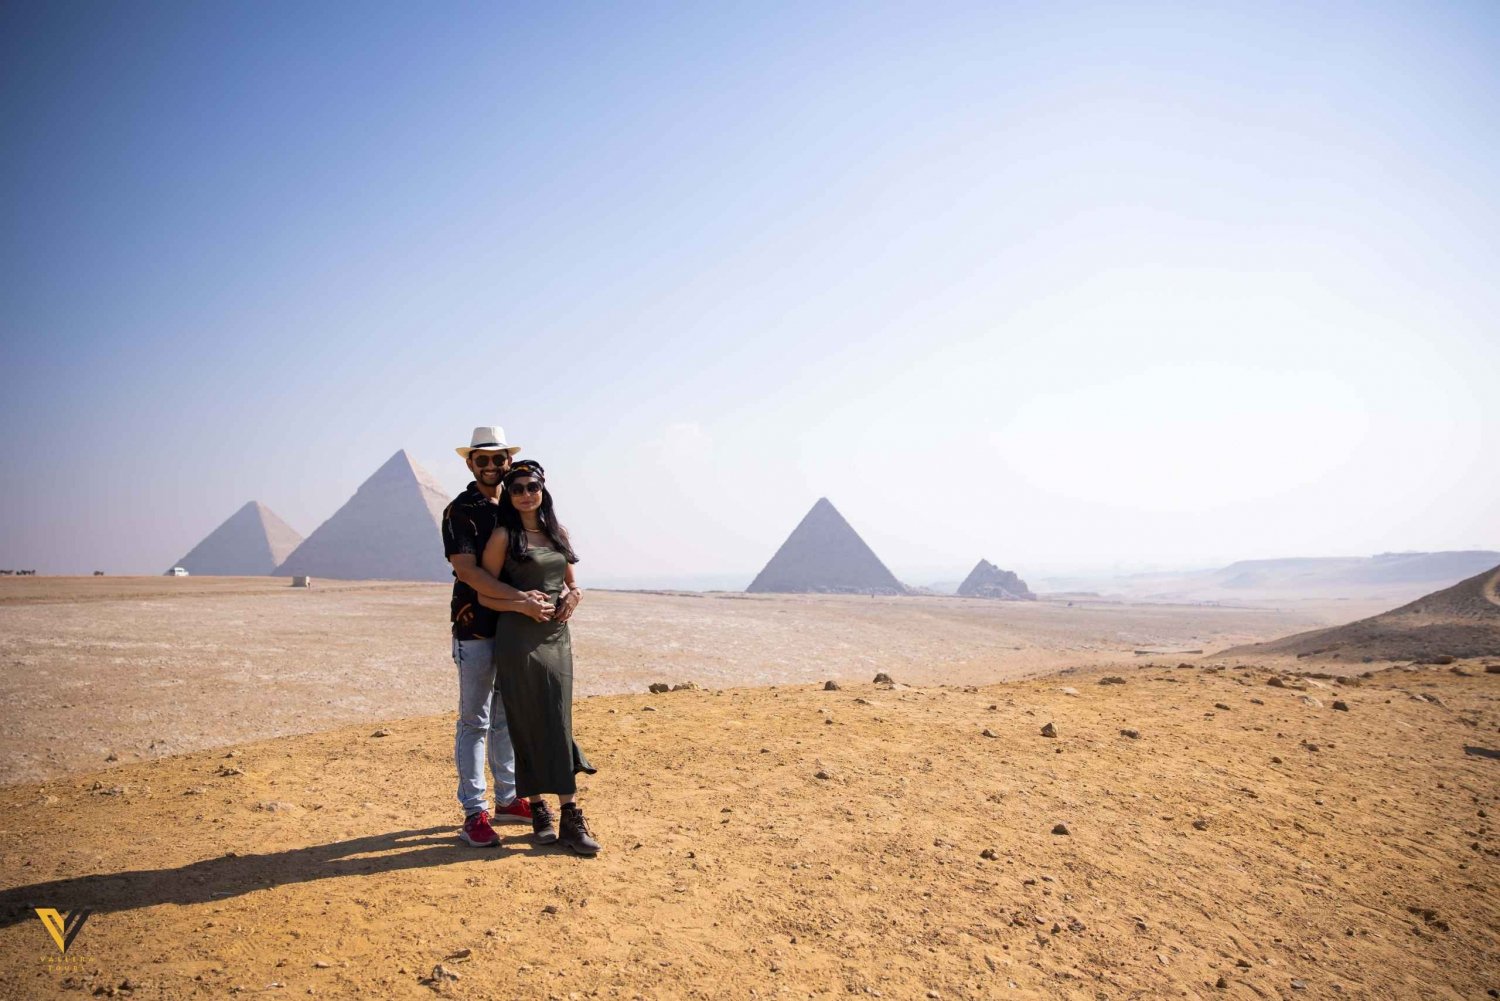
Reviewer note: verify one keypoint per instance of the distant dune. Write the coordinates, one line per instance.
(1386, 568)
(1395, 577)
(1458, 621)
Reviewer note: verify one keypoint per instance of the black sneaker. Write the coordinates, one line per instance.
(542, 826)
(575, 833)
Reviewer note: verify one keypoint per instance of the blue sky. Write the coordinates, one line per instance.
(1064, 286)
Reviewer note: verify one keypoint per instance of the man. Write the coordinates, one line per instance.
(467, 525)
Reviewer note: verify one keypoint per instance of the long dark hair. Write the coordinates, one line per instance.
(510, 519)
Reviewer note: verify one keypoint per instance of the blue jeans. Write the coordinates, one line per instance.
(481, 722)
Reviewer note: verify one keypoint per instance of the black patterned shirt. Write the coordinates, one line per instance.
(468, 524)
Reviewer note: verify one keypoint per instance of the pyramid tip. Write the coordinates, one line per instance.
(400, 457)
(255, 508)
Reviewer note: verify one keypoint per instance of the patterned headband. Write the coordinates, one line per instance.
(526, 467)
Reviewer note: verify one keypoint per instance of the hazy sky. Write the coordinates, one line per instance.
(1064, 286)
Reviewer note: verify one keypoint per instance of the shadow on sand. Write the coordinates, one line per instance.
(228, 876)
(1480, 752)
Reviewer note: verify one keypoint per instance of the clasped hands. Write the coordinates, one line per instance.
(539, 607)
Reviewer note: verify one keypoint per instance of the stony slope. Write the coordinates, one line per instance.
(802, 843)
(1458, 621)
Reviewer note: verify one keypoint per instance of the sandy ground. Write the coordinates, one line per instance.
(143, 667)
(795, 843)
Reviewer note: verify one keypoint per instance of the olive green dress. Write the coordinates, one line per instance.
(534, 676)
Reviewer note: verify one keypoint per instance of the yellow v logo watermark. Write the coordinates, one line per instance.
(63, 929)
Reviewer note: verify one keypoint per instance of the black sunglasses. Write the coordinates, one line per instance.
(529, 487)
(482, 461)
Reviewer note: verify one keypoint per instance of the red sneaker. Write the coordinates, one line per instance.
(518, 811)
(478, 832)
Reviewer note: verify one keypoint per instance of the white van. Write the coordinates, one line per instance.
(177, 572)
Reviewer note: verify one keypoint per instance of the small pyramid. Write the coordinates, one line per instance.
(389, 530)
(250, 543)
(988, 581)
(825, 555)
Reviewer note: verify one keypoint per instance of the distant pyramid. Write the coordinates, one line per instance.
(249, 544)
(988, 581)
(825, 555)
(389, 530)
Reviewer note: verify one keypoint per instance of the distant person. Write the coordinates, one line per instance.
(534, 655)
(468, 523)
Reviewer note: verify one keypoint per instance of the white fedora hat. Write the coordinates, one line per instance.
(485, 439)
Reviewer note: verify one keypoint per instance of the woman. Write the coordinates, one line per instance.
(534, 659)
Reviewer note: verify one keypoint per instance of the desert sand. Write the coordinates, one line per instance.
(147, 666)
(793, 842)
(1254, 834)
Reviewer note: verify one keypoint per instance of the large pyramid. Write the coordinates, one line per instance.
(249, 544)
(825, 555)
(389, 530)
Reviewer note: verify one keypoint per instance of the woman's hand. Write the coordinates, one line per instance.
(570, 599)
(537, 606)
